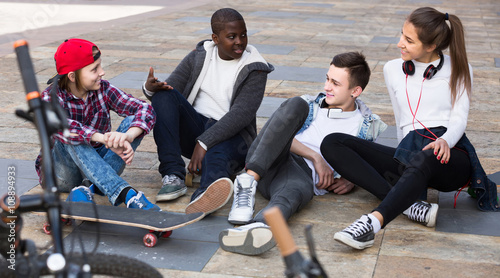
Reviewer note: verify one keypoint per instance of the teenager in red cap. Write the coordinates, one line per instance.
(93, 151)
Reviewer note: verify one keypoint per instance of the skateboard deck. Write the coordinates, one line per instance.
(160, 223)
(152, 220)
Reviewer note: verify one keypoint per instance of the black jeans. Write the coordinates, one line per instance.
(372, 167)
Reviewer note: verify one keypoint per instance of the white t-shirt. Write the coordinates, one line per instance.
(214, 98)
(320, 128)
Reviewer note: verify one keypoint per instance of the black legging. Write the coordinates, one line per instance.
(372, 167)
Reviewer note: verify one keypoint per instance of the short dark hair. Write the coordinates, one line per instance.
(223, 16)
(357, 67)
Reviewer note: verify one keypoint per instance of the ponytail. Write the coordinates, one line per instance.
(460, 74)
(432, 29)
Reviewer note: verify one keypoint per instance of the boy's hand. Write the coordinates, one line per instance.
(154, 85)
(325, 173)
(126, 152)
(341, 186)
(194, 166)
(116, 139)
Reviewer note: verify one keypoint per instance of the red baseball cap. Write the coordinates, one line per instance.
(74, 54)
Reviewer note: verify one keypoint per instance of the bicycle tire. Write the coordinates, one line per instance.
(104, 264)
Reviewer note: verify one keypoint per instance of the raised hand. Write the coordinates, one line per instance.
(154, 85)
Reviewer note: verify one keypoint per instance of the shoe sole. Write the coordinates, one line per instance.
(215, 197)
(252, 242)
(433, 215)
(171, 196)
(349, 241)
(239, 221)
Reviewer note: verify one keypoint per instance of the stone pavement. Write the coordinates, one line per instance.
(299, 38)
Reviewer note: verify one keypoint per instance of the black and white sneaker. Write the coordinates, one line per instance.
(358, 235)
(423, 212)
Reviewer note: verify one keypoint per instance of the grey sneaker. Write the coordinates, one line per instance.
(251, 239)
(173, 188)
(423, 212)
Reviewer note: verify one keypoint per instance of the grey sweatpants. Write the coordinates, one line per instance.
(286, 179)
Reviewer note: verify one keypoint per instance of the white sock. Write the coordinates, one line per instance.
(375, 223)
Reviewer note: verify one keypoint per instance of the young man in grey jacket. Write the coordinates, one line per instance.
(206, 111)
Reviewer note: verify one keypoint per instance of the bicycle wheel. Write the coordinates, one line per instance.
(104, 264)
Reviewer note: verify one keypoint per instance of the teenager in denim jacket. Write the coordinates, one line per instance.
(430, 96)
(284, 162)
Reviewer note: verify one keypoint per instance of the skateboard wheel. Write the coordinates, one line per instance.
(47, 229)
(150, 240)
(166, 234)
(66, 221)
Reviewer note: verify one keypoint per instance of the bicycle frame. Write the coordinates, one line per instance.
(42, 115)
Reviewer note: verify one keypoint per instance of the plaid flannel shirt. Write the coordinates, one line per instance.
(86, 117)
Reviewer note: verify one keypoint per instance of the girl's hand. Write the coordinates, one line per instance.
(441, 150)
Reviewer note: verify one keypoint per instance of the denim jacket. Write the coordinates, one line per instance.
(369, 129)
(481, 187)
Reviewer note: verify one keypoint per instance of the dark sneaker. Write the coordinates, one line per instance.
(242, 209)
(423, 212)
(214, 197)
(358, 235)
(173, 188)
(251, 239)
(137, 200)
(80, 194)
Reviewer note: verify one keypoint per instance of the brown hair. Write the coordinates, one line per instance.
(432, 29)
(357, 67)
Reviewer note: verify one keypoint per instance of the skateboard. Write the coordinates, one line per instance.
(159, 223)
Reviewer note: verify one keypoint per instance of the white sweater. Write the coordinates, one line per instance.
(435, 107)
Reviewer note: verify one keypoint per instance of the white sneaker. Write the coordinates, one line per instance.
(242, 209)
(423, 212)
(251, 239)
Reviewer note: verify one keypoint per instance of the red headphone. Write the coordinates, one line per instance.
(430, 71)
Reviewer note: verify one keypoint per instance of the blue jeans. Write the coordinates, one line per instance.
(73, 163)
(177, 127)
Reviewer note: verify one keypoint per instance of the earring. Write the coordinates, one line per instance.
(352, 96)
